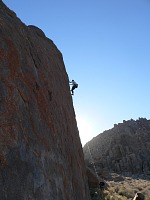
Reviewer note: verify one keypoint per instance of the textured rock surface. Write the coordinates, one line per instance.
(122, 149)
(93, 181)
(41, 155)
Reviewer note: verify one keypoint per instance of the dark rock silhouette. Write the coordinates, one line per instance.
(122, 149)
(41, 155)
(139, 196)
(93, 180)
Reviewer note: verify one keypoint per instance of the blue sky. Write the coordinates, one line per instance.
(106, 49)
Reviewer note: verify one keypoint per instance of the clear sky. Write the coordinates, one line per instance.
(106, 50)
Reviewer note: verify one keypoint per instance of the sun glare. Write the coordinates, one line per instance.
(85, 130)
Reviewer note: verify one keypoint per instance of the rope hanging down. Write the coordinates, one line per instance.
(92, 160)
(100, 191)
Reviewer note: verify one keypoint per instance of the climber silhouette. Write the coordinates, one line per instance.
(74, 86)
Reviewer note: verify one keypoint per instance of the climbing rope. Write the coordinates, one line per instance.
(102, 194)
(92, 160)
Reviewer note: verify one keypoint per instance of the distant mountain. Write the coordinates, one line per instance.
(123, 149)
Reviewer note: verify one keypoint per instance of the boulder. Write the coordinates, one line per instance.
(41, 155)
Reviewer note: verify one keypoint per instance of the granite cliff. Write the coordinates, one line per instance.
(41, 155)
(123, 149)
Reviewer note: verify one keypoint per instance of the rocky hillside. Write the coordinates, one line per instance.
(41, 155)
(122, 149)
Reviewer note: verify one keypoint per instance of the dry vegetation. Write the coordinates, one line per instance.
(126, 189)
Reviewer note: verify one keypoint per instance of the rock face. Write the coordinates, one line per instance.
(123, 149)
(41, 156)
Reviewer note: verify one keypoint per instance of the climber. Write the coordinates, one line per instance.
(74, 85)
